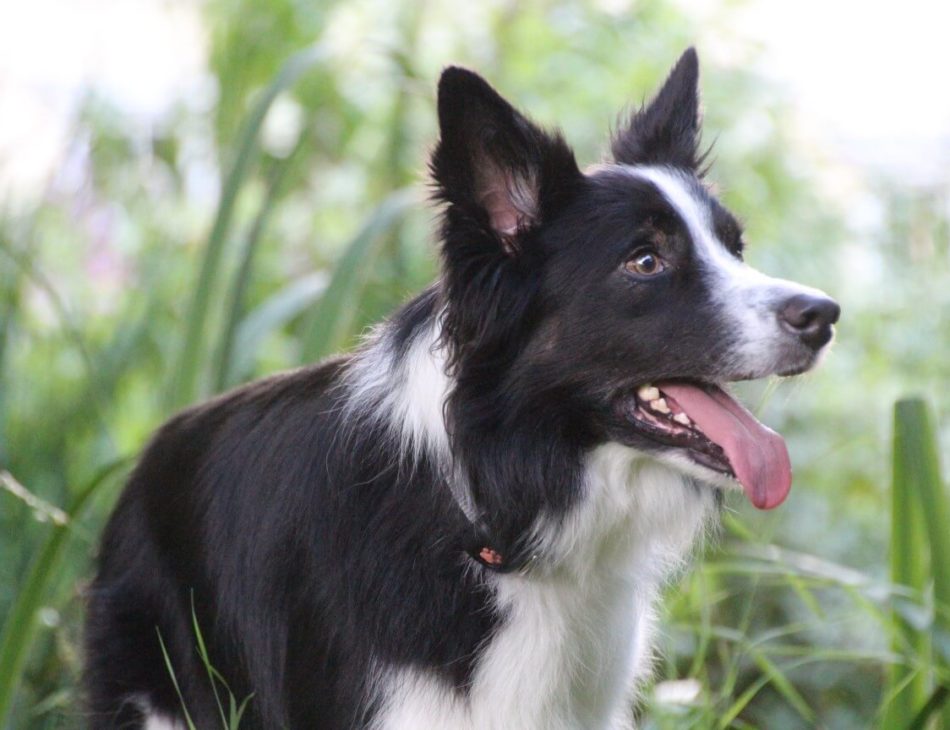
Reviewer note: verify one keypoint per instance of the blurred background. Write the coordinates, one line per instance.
(194, 194)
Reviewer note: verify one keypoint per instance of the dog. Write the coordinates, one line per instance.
(465, 524)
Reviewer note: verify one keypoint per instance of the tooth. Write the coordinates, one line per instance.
(659, 405)
(682, 418)
(648, 393)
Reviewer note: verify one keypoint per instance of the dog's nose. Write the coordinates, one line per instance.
(810, 317)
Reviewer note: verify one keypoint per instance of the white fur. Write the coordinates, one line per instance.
(575, 642)
(744, 294)
(157, 722)
(575, 638)
(409, 393)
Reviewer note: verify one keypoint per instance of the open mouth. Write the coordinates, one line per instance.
(714, 431)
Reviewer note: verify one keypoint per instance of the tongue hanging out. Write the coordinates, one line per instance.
(757, 454)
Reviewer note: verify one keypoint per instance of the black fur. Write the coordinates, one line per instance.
(308, 543)
(299, 560)
(666, 131)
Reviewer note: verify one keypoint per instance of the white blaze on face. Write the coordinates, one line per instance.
(748, 298)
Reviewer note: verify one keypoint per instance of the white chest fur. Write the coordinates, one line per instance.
(575, 641)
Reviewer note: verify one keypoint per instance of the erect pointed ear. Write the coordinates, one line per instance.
(494, 167)
(665, 131)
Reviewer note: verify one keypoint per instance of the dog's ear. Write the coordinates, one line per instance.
(493, 167)
(665, 131)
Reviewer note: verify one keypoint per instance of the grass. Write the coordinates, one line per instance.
(920, 547)
(187, 386)
(230, 719)
(329, 324)
(21, 625)
(912, 608)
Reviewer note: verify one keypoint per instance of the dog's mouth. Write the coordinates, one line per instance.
(716, 432)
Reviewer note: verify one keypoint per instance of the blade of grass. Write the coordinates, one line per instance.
(705, 624)
(331, 321)
(907, 686)
(398, 166)
(933, 704)
(729, 717)
(99, 391)
(185, 386)
(783, 686)
(805, 595)
(235, 711)
(174, 678)
(734, 668)
(21, 624)
(206, 660)
(42, 510)
(11, 303)
(742, 702)
(223, 365)
(272, 314)
(915, 440)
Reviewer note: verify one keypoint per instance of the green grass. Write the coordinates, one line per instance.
(187, 385)
(331, 321)
(230, 718)
(20, 628)
(736, 663)
(920, 549)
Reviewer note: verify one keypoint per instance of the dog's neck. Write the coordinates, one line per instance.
(576, 633)
(630, 502)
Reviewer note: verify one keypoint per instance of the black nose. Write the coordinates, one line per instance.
(810, 317)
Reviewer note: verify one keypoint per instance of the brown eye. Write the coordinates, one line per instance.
(645, 263)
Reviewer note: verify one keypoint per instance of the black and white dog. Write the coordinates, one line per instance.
(465, 524)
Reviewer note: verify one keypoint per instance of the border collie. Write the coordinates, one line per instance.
(465, 524)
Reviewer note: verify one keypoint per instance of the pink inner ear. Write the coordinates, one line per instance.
(505, 218)
(511, 203)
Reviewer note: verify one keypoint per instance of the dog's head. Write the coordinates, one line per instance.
(621, 291)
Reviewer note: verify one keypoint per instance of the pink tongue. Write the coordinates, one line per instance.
(757, 454)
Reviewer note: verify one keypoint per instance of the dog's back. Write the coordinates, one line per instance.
(235, 513)
(210, 522)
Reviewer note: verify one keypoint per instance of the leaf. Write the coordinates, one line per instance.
(272, 314)
(185, 387)
(223, 365)
(331, 321)
(920, 509)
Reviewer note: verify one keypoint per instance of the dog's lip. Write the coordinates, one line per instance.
(699, 447)
(797, 370)
(711, 426)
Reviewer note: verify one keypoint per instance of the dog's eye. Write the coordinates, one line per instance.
(645, 262)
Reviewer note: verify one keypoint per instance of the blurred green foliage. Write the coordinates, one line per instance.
(306, 235)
